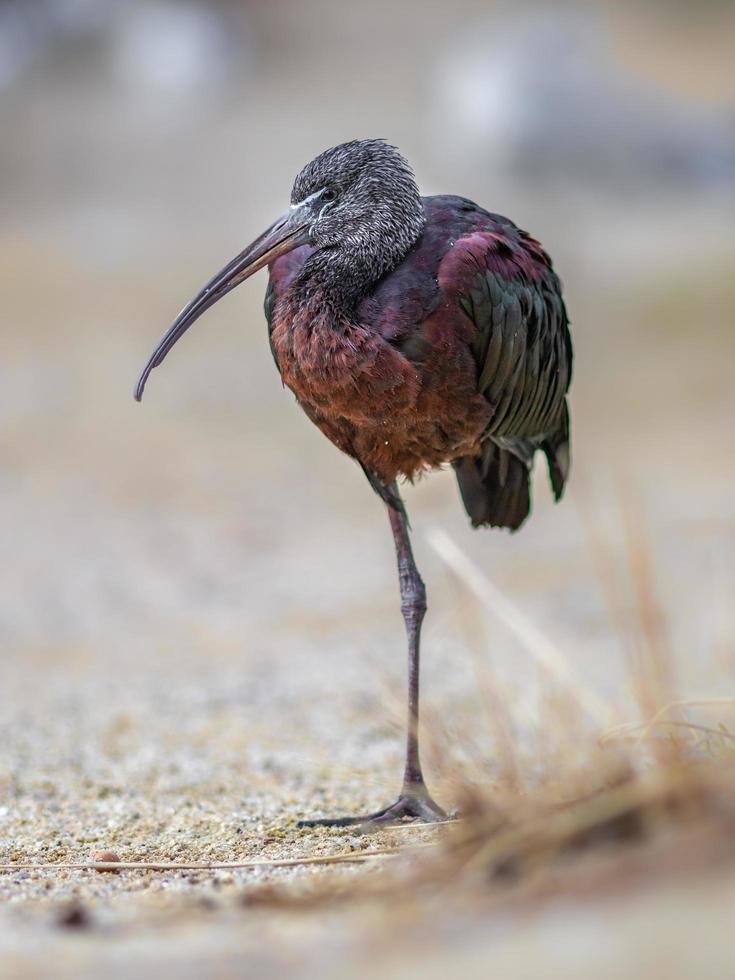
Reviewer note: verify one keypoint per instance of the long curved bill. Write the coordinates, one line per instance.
(285, 234)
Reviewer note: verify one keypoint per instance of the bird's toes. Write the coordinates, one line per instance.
(407, 807)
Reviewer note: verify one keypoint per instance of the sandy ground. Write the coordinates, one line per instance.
(200, 638)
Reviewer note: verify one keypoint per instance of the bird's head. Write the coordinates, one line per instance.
(363, 204)
(359, 208)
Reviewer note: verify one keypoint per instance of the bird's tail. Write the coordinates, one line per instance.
(495, 486)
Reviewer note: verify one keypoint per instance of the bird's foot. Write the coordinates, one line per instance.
(408, 806)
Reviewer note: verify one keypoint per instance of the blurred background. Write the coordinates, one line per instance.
(197, 593)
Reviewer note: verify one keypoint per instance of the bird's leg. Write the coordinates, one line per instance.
(414, 794)
(414, 800)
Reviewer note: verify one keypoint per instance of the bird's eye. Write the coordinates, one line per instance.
(329, 194)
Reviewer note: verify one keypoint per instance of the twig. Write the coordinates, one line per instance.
(538, 645)
(626, 729)
(646, 727)
(213, 865)
(653, 678)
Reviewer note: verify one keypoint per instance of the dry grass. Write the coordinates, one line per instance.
(663, 775)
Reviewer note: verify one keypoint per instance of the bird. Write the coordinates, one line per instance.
(415, 333)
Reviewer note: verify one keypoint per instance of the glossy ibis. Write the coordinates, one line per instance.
(414, 332)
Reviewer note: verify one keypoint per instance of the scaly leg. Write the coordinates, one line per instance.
(414, 800)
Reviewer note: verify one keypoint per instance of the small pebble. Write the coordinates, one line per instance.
(105, 857)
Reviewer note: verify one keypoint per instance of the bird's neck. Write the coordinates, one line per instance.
(341, 278)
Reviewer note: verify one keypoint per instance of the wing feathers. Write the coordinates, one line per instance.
(506, 286)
